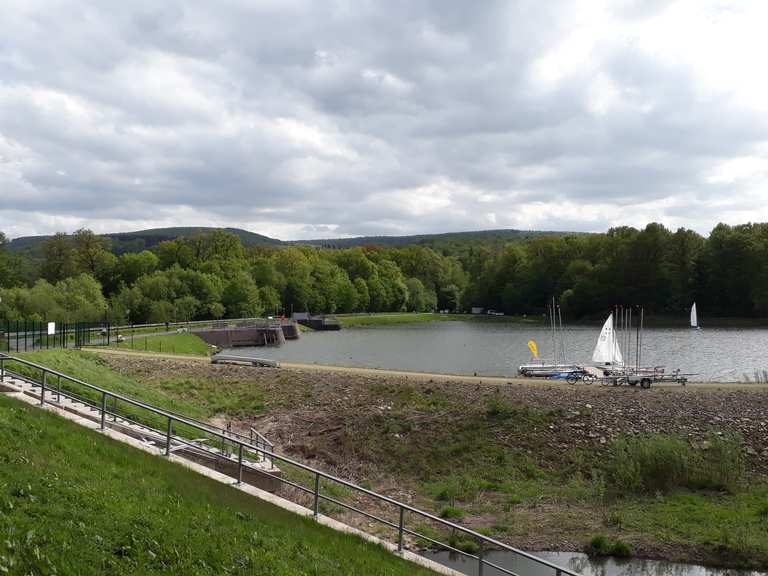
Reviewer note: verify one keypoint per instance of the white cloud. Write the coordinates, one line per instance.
(296, 119)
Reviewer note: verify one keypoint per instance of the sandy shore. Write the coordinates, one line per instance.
(433, 376)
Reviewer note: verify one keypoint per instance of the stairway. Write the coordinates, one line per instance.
(257, 469)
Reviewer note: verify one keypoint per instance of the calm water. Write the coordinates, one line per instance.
(582, 564)
(498, 348)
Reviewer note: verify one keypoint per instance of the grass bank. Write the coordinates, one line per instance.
(76, 502)
(386, 319)
(182, 343)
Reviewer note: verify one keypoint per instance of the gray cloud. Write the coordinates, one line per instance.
(301, 119)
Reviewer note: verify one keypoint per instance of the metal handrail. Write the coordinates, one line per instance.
(267, 452)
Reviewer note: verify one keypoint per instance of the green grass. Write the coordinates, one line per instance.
(183, 343)
(93, 369)
(75, 502)
(355, 321)
(732, 528)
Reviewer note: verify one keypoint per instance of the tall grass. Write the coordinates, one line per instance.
(662, 463)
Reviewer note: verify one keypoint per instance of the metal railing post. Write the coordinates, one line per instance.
(168, 437)
(240, 464)
(481, 562)
(2, 369)
(42, 388)
(400, 530)
(317, 494)
(103, 410)
(58, 389)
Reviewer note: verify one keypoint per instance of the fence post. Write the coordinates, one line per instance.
(400, 530)
(103, 410)
(317, 494)
(42, 388)
(58, 389)
(2, 369)
(240, 465)
(168, 437)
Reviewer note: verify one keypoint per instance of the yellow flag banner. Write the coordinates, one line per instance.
(533, 348)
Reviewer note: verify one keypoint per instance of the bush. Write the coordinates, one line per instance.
(649, 464)
(463, 543)
(721, 466)
(601, 545)
(451, 513)
(660, 463)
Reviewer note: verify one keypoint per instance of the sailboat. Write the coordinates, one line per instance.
(607, 350)
(694, 318)
(558, 366)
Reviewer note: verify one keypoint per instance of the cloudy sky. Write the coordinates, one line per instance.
(301, 119)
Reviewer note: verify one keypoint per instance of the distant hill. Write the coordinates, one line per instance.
(123, 242)
(143, 239)
(481, 236)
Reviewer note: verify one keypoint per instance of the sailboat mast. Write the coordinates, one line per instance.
(637, 347)
(640, 345)
(629, 337)
(552, 326)
(562, 334)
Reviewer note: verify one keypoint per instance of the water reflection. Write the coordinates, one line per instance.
(581, 564)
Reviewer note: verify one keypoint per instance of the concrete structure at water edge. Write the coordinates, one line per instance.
(265, 334)
(320, 322)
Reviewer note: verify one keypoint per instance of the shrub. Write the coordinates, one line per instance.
(601, 545)
(721, 465)
(649, 464)
(660, 463)
(451, 513)
(463, 543)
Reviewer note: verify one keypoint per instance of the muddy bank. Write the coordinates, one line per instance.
(307, 402)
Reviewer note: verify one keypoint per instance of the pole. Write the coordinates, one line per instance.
(168, 437)
(401, 530)
(317, 494)
(240, 465)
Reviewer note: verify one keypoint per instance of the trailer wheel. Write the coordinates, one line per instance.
(645, 383)
(572, 379)
(588, 378)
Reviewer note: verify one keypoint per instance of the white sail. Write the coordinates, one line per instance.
(694, 317)
(607, 349)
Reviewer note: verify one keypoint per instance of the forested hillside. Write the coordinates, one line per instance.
(214, 275)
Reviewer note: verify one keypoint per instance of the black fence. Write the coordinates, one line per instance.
(30, 335)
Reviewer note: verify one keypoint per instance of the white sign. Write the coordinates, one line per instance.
(51, 328)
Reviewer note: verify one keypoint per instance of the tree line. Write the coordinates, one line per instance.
(213, 275)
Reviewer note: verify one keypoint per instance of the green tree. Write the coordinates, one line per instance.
(59, 258)
(241, 297)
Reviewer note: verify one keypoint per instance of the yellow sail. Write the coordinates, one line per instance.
(533, 348)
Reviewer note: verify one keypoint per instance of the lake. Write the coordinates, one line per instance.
(581, 564)
(498, 348)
